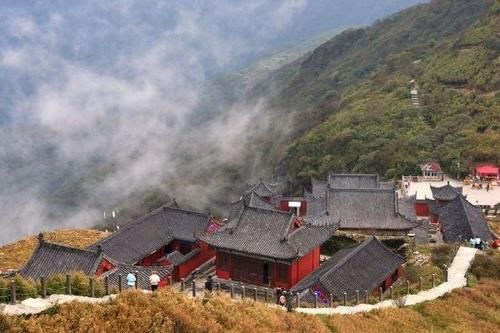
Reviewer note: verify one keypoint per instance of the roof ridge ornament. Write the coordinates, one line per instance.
(41, 238)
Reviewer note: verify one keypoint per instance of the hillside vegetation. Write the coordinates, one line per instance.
(352, 94)
(15, 255)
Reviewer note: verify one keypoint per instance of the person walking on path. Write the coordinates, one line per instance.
(154, 280)
(209, 284)
(131, 279)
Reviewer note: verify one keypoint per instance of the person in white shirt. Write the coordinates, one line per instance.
(131, 279)
(154, 280)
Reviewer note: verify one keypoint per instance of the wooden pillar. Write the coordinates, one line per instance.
(169, 280)
(242, 292)
(357, 297)
(68, 284)
(120, 284)
(136, 279)
(231, 290)
(380, 294)
(13, 295)
(407, 287)
(345, 299)
(298, 299)
(43, 285)
(366, 295)
(433, 280)
(255, 294)
(194, 288)
(183, 284)
(331, 300)
(445, 273)
(315, 300)
(106, 285)
(420, 284)
(266, 296)
(218, 286)
(391, 292)
(92, 286)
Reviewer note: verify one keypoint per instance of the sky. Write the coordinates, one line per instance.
(92, 85)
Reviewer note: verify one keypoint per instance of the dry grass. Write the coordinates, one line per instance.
(465, 310)
(13, 256)
(494, 224)
(168, 311)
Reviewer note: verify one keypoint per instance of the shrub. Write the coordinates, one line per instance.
(486, 265)
(441, 255)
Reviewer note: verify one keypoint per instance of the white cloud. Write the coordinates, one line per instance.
(132, 108)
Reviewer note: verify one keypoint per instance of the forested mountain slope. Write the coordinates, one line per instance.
(351, 97)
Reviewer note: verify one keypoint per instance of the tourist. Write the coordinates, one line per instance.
(488, 187)
(279, 291)
(209, 284)
(131, 279)
(154, 280)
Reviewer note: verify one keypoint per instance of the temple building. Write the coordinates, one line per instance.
(166, 236)
(366, 266)
(368, 211)
(51, 258)
(267, 247)
(459, 219)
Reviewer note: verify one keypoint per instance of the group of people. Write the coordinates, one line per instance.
(477, 243)
(154, 280)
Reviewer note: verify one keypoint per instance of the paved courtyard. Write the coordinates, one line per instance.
(476, 197)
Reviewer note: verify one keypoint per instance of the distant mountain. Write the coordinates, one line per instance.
(350, 100)
(103, 103)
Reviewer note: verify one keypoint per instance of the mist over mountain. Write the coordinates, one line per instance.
(97, 100)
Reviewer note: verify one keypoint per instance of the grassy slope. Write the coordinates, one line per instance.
(355, 89)
(468, 309)
(13, 256)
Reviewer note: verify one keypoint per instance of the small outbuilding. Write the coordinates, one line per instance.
(366, 266)
(459, 219)
(488, 171)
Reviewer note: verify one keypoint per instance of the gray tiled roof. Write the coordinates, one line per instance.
(353, 181)
(251, 199)
(421, 232)
(363, 267)
(269, 234)
(446, 192)
(139, 238)
(49, 259)
(315, 206)
(366, 209)
(262, 189)
(406, 206)
(460, 217)
(318, 188)
(144, 272)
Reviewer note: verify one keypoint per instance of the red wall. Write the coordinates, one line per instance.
(421, 209)
(223, 273)
(104, 266)
(291, 274)
(302, 267)
(303, 206)
(152, 258)
(202, 257)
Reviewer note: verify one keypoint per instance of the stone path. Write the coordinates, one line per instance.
(37, 305)
(456, 279)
